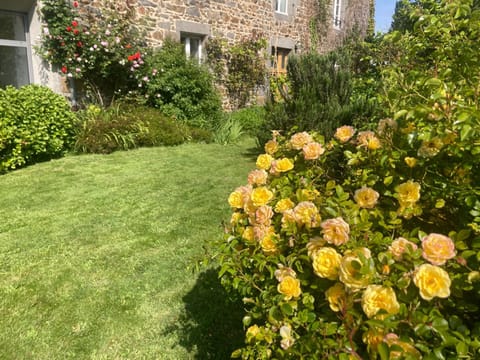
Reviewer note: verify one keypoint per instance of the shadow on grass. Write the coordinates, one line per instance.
(211, 323)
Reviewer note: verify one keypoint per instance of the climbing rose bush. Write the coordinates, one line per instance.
(338, 253)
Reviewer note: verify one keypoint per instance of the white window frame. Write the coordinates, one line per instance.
(21, 44)
(278, 6)
(187, 37)
(337, 14)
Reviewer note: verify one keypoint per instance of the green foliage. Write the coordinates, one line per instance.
(251, 118)
(35, 125)
(239, 67)
(179, 87)
(320, 87)
(97, 45)
(103, 131)
(125, 126)
(366, 245)
(228, 132)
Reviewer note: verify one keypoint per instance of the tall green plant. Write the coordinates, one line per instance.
(318, 99)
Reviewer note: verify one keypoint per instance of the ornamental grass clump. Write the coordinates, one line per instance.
(339, 252)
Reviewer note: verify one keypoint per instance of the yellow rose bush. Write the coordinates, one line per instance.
(366, 245)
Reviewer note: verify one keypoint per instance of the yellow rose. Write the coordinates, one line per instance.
(399, 246)
(287, 339)
(236, 218)
(283, 165)
(248, 234)
(376, 298)
(288, 219)
(271, 147)
(306, 213)
(366, 197)
(369, 140)
(261, 196)
(261, 231)
(326, 262)
(430, 148)
(298, 140)
(252, 333)
(408, 193)
(263, 215)
(268, 244)
(335, 231)
(307, 194)
(264, 161)
(410, 161)
(437, 248)
(344, 133)
(373, 337)
(257, 177)
(336, 297)
(356, 268)
(290, 287)
(407, 349)
(312, 151)
(432, 281)
(236, 200)
(284, 205)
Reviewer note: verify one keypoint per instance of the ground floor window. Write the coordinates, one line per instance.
(280, 60)
(15, 54)
(193, 46)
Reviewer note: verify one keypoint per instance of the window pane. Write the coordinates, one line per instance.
(194, 48)
(281, 6)
(13, 66)
(12, 27)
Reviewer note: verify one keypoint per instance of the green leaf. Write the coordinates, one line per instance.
(287, 309)
(399, 114)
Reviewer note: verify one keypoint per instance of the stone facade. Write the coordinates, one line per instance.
(289, 29)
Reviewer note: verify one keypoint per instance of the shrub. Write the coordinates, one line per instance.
(97, 45)
(251, 118)
(35, 125)
(367, 245)
(228, 132)
(320, 88)
(103, 131)
(179, 87)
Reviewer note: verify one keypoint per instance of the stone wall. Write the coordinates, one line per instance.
(235, 20)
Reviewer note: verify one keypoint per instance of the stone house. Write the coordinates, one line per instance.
(290, 26)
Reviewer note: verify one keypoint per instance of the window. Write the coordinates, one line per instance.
(14, 50)
(279, 60)
(193, 46)
(337, 11)
(281, 6)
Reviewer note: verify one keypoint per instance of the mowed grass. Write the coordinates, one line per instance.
(97, 252)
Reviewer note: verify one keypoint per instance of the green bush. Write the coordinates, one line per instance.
(35, 125)
(251, 118)
(179, 87)
(103, 131)
(125, 126)
(367, 245)
(319, 93)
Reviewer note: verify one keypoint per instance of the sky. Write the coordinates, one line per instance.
(384, 10)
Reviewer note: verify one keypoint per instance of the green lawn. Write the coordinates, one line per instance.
(97, 255)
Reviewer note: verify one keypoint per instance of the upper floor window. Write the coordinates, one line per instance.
(281, 6)
(337, 14)
(14, 50)
(193, 45)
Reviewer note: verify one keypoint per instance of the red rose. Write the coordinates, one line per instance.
(79, 44)
(64, 69)
(69, 28)
(76, 31)
(75, 4)
(74, 23)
